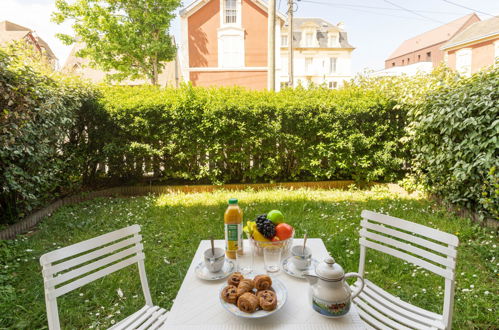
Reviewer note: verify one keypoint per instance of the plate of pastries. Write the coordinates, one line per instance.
(252, 297)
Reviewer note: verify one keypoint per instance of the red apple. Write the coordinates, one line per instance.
(284, 231)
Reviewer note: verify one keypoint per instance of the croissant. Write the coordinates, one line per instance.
(246, 285)
(267, 300)
(229, 294)
(235, 278)
(262, 282)
(247, 302)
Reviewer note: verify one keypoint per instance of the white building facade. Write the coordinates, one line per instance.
(321, 54)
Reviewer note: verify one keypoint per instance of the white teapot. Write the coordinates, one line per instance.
(330, 294)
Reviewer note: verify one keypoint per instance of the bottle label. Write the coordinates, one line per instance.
(233, 234)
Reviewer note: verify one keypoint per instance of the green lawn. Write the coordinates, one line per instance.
(173, 225)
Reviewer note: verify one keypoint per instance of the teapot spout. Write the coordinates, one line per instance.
(312, 279)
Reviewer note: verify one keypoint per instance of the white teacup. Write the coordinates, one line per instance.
(214, 263)
(302, 259)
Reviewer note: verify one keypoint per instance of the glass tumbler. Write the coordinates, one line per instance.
(272, 257)
(244, 260)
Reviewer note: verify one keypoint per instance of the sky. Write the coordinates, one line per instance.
(375, 27)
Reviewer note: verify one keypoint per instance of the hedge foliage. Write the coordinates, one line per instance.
(456, 142)
(234, 135)
(58, 134)
(37, 121)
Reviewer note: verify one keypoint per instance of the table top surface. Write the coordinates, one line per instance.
(197, 305)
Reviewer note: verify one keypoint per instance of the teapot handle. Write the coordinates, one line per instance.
(356, 292)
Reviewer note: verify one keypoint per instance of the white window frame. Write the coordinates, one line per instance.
(309, 43)
(333, 40)
(284, 40)
(231, 33)
(309, 64)
(333, 68)
(232, 39)
(464, 60)
(223, 13)
(333, 85)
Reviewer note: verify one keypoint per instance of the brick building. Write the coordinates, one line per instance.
(427, 47)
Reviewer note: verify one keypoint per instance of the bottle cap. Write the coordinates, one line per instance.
(233, 201)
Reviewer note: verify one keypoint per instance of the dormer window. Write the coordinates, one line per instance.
(230, 11)
(309, 39)
(332, 41)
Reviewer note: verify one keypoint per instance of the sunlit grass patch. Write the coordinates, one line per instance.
(173, 225)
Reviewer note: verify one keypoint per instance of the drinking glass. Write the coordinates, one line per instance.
(245, 260)
(272, 257)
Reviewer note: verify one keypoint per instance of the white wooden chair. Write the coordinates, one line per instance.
(404, 239)
(71, 267)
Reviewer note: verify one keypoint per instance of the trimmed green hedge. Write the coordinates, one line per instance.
(234, 135)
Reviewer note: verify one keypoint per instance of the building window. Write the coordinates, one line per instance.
(463, 61)
(233, 57)
(230, 11)
(403, 62)
(309, 36)
(393, 63)
(332, 41)
(333, 85)
(308, 64)
(408, 60)
(332, 64)
(428, 56)
(419, 58)
(284, 40)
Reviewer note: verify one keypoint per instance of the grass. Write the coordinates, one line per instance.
(173, 225)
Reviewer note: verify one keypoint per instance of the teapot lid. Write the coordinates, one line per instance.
(329, 270)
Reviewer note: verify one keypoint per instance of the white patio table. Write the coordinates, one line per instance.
(197, 305)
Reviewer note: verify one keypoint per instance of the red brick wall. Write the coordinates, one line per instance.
(437, 56)
(255, 25)
(249, 79)
(203, 39)
(482, 55)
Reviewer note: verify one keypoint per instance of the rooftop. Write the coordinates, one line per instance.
(323, 28)
(433, 37)
(476, 31)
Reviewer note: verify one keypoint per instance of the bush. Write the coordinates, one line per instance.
(38, 116)
(223, 135)
(456, 142)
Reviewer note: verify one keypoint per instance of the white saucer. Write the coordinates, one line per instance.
(203, 273)
(289, 267)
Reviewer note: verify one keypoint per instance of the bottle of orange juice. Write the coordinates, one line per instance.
(233, 219)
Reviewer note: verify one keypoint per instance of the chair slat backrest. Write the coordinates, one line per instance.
(429, 248)
(71, 267)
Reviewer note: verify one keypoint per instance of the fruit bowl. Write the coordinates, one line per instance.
(258, 246)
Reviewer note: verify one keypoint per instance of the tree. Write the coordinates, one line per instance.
(127, 37)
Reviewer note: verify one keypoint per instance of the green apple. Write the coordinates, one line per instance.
(276, 217)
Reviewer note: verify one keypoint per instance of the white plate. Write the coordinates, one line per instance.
(289, 267)
(280, 291)
(203, 273)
